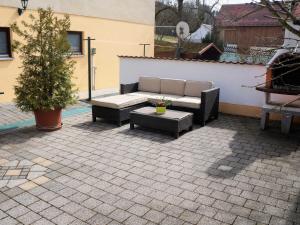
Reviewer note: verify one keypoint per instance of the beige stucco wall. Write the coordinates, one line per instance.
(137, 11)
(113, 38)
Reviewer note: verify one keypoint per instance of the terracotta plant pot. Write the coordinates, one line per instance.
(48, 120)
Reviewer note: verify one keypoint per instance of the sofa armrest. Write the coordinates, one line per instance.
(210, 104)
(129, 88)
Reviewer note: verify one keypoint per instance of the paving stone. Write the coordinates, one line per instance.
(274, 211)
(43, 222)
(225, 217)
(260, 217)
(189, 195)
(41, 180)
(51, 212)
(217, 186)
(8, 204)
(190, 217)
(138, 210)
(207, 211)
(205, 200)
(79, 197)
(249, 195)
(29, 218)
(119, 215)
(63, 219)
(114, 223)
(254, 205)
(8, 221)
(240, 211)
(2, 214)
(243, 221)
(39, 206)
(59, 201)
(236, 200)
(279, 221)
(219, 195)
(28, 185)
(17, 211)
(208, 221)
(84, 214)
(26, 199)
(15, 172)
(189, 205)
(134, 220)
(99, 220)
(123, 204)
(172, 221)
(37, 191)
(78, 222)
(105, 209)
(222, 205)
(3, 197)
(91, 203)
(154, 216)
(157, 205)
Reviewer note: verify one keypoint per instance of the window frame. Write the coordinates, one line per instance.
(8, 43)
(80, 33)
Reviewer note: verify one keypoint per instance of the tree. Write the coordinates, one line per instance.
(45, 81)
(283, 11)
(195, 12)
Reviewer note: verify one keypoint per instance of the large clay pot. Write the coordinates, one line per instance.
(48, 120)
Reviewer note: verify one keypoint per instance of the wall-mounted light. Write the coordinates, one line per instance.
(24, 7)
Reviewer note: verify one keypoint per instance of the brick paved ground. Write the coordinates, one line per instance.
(225, 173)
(9, 114)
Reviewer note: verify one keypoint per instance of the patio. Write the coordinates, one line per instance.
(94, 173)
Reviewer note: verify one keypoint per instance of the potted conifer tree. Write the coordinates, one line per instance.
(45, 83)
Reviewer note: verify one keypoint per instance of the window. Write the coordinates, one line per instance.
(75, 39)
(5, 47)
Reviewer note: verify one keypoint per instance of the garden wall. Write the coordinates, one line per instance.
(235, 99)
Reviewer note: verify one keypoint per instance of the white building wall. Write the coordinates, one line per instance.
(230, 78)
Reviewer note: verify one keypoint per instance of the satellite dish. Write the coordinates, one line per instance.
(182, 30)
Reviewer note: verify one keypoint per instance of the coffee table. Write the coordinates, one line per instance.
(172, 121)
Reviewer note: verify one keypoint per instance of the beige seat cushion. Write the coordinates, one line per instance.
(143, 94)
(149, 84)
(188, 102)
(156, 98)
(194, 88)
(172, 87)
(119, 101)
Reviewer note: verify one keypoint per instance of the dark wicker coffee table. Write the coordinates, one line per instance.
(172, 121)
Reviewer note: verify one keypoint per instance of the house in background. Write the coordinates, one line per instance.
(201, 33)
(118, 27)
(190, 51)
(248, 25)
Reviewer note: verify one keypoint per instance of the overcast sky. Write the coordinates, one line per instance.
(229, 1)
(224, 2)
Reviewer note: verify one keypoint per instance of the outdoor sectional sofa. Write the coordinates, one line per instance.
(199, 97)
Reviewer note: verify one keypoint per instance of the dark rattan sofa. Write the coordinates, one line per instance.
(199, 97)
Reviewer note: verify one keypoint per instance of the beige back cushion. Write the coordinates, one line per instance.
(194, 88)
(149, 84)
(172, 87)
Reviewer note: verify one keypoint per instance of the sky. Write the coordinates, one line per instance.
(225, 2)
(228, 1)
(234, 1)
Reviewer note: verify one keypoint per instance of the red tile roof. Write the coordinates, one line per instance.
(245, 15)
(190, 60)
